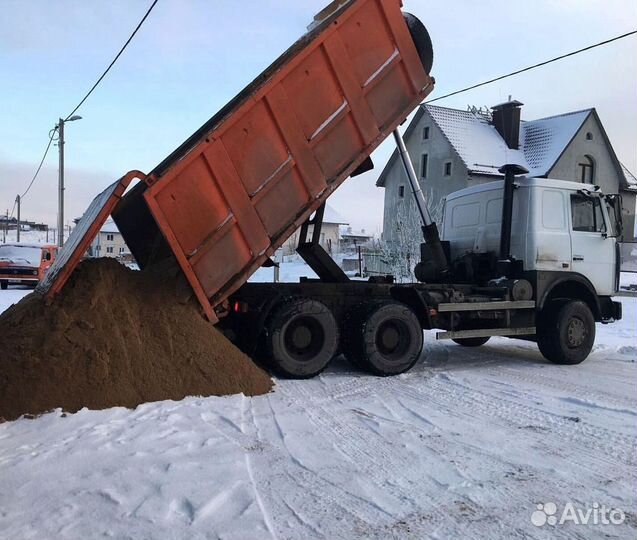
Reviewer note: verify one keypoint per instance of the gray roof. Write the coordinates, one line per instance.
(483, 150)
(631, 181)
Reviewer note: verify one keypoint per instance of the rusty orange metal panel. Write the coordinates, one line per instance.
(83, 234)
(241, 185)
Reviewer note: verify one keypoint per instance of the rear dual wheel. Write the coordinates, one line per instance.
(383, 338)
(301, 338)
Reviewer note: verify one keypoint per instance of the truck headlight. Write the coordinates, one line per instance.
(35, 272)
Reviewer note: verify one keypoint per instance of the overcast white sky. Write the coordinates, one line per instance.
(192, 56)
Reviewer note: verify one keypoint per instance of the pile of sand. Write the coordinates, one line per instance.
(113, 337)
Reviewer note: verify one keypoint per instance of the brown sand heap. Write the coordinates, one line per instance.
(114, 336)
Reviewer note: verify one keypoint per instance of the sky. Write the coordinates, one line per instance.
(192, 56)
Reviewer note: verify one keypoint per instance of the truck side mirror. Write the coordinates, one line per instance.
(614, 202)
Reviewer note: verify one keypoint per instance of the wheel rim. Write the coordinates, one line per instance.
(576, 333)
(304, 338)
(393, 339)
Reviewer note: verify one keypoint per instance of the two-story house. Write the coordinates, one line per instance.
(453, 149)
(109, 242)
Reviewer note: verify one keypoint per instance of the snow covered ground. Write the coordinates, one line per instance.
(466, 445)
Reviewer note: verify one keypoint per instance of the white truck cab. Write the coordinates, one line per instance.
(557, 226)
(562, 248)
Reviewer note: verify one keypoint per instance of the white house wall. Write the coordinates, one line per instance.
(435, 187)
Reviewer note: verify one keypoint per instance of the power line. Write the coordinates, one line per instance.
(53, 131)
(46, 151)
(113, 62)
(534, 66)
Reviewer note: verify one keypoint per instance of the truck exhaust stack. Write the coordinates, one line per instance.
(505, 262)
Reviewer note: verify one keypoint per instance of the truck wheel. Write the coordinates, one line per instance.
(567, 332)
(471, 341)
(4, 285)
(421, 40)
(301, 338)
(383, 338)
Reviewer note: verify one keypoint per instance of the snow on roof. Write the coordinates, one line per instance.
(477, 142)
(109, 227)
(332, 216)
(544, 140)
(349, 232)
(484, 151)
(631, 181)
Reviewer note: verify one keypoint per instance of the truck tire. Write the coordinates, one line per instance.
(471, 341)
(383, 338)
(421, 40)
(567, 332)
(4, 285)
(301, 338)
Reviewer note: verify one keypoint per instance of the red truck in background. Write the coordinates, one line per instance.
(25, 263)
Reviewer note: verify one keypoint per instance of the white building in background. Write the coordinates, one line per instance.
(330, 233)
(452, 149)
(109, 242)
(352, 239)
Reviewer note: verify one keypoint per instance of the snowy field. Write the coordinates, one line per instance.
(466, 445)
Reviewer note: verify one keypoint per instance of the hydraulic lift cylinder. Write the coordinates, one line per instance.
(437, 266)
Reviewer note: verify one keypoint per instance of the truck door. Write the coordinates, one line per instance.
(593, 251)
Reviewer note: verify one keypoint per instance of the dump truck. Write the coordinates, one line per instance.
(218, 207)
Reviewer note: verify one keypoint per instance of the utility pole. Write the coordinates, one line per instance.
(60, 128)
(61, 185)
(17, 200)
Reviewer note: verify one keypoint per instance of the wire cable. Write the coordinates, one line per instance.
(46, 151)
(534, 66)
(114, 60)
(53, 131)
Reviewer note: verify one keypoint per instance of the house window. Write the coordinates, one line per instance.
(109, 237)
(109, 250)
(448, 168)
(425, 133)
(423, 166)
(589, 136)
(121, 250)
(586, 170)
(401, 191)
(98, 248)
(587, 214)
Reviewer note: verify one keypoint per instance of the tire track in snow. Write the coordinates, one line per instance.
(595, 442)
(264, 513)
(380, 460)
(574, 389)
(599, 440)
(294, 482)
(602, 441)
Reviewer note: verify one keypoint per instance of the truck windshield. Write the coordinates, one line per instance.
(27, 255)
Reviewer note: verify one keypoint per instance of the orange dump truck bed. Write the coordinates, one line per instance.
(227, 198)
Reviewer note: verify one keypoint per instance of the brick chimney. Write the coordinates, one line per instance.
(506, 119)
